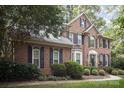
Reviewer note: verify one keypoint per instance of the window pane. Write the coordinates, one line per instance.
(36, 56)
(36, 62)
(92, 41)
(79, 39)
(36, 53)
(78, 58)
(55, 57)
(71, 36)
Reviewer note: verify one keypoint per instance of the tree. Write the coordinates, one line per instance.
(116, 32)
(19, 22)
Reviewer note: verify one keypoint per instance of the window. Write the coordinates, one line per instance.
(56, 56)
(82, 22)
(36, 57)
(101, 59)
(100, 42)
(79, 39)
(91, 41)
(104, 43)
(78, 58)
(107, 59)
(71, 36)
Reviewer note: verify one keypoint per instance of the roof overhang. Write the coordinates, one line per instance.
(47, 43)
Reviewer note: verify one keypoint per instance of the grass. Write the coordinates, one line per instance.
(82, 84)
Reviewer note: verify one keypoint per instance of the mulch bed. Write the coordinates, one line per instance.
(95, 77)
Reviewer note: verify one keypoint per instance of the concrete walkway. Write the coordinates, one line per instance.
(111, 77)
(17, 84)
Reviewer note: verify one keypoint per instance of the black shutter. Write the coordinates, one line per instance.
(96, 42)
(51, 55)
(104, 44)
(30, 54)
(104, 61)
(80, 22)
(42, 57)
(108, 44)
(60, 56)
(85, 24)
(75, 39)
(82, 39)
(88, 41)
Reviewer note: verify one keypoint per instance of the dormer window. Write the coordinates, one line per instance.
(82, 23)
(71, 36)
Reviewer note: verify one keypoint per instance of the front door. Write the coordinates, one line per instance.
(92, 59)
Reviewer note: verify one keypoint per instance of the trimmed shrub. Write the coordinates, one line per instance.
(42, 78)
(102, 72)
(108, 69)
(86, 72)
(114, 72)
(74, 70)
(121, 72)
(58, 69)
(90, 68)
(94, 72)
(10, 71)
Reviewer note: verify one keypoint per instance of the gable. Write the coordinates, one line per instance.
(75, 24)
(93, 31)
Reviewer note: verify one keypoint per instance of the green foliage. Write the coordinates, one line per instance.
(114, 72)
(90, 68)
(116, 32)
(86, 72)
(121, 72)
(101, 72)
(118, 62)
(10, 71)
(19, 22)
(42, 78)
(94, 72)
(108, 69)
(58, 69)
(74, 70)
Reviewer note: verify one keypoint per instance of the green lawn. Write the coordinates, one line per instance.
(82, 84)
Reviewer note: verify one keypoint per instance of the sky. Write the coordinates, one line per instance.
(108, 12)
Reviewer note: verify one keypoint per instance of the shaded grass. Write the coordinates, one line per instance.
(82, 84)
(89, 84)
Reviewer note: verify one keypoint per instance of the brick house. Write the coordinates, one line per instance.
(90, 48)
(80, 41)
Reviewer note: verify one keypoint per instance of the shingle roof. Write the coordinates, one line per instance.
(52, 39)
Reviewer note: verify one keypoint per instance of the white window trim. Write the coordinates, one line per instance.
(79, 35)
(33, 56)
(101, 41)
(58, 55)
(74, 53)
(94, 41)
(107, 59)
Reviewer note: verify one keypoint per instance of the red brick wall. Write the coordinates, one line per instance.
(21, 55)
(86, 48)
